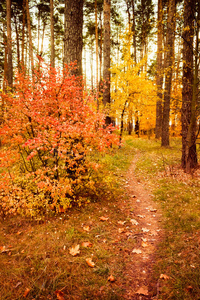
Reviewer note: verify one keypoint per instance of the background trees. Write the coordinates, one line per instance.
(66, 31)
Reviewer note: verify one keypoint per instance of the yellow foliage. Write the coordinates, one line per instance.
(132, 92)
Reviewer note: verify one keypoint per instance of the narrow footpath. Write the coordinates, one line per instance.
(147, 216)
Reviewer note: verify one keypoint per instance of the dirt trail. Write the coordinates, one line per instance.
(143, 210)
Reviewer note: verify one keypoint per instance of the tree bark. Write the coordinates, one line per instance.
(9, 45)
(29, 35)
(159, 73)
(52, 35)
(168, 71)
(189, 155)
(106, 59)
(73, 40)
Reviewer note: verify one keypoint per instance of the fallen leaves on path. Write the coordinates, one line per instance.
(137, 251)
(121, 230)
(145, 230)
(74, 250)
(134, 222)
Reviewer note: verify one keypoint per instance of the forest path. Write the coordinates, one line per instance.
(140, 205)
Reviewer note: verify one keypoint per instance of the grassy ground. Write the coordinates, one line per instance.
(178, 256)
(35, 262)
(34, 255)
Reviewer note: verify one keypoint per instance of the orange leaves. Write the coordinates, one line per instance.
(27, 291)
(50, 127)
(90, 262)
(111, 278)
(59, 295)
(103, 218)
(86, 244)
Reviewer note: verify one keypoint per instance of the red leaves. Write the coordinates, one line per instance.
(50, 127)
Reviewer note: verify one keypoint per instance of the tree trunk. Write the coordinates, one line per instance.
(159, 73)
(106, 59)
(9, 45)
(168, 72)
(73, 40)
(23, 31)
(52, 35)
(189, 155)
(134, 31)
(97, 56)
(29, 35)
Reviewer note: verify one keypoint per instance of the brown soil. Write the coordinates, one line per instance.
(141, 207)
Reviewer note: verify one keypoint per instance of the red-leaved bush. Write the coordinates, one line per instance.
(51, 130)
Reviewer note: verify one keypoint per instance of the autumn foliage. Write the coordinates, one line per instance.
(51, 130)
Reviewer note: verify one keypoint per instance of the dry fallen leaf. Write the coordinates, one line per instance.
(111, 278)
(26, 292)
(86, 228)
(59, 295)
(121, 230)
(144, 244)
(90, 262)
(164, 276)
(74, 250)
(121, 222)
(134, 222)
(137, 251)
(128, 233)
(86, 244)
(145, 230)
(103, 218)
(141, 216)
(143, 291)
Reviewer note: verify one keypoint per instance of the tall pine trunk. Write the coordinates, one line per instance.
(73, 40)
(106, 59)
(168, 71)
(9, 45)
(189, 155)
(52, 35)
(159, 71)
(29, 35)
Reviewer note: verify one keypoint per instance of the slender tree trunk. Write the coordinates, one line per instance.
(29, 35)
(134, 31)
(17, 38)
(159, 74)
(9, 44)
(168, 72)
(97, 56)
(5, 59)
(189, 155)
(106, 59)
(52, 35)
(23, 31)
(73, 40)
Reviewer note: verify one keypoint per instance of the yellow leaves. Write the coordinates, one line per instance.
(90, 262)
(74, 250)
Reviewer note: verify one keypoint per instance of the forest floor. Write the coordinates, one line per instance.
(130, 245)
